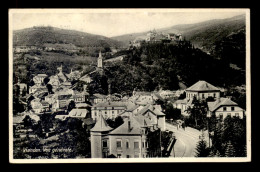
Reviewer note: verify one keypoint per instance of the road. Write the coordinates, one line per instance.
(187, 140)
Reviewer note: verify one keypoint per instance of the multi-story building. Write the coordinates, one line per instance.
(224, 107)
(126, 141)
(202, 90)
(108, 109)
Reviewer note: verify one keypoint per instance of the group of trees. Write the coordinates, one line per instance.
(228, 139)
(77, 139)
(114, 123)
(198, 114)
(169, 111)
(155, 66)
(158, 142)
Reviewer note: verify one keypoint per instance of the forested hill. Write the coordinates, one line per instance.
(51, 35)
(165, 66)
(203, 35)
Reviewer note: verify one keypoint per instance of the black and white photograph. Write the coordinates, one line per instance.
(129, 85)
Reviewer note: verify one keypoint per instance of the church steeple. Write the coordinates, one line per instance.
(100, 60)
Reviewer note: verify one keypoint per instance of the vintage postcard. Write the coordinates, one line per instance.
(129, 85)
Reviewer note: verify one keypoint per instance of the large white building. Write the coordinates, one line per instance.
(202, 90)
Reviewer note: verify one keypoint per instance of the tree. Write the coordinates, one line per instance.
(46, 80)
(71, 105)
(182, 96)
(230, 150)
(202, 150)
(153, 140)
(49, 87)
(118, 121)
(198, 112)
(28, 121)
(171, 112)
(16, 91)
(24, 91)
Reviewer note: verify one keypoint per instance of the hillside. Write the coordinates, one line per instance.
(202, 35)
(51, 35)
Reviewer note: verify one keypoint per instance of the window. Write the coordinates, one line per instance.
(229, 114)
(127, 144)
(112, 112)
(118, 143)
(143, 144)
(203, 95)
(105, 112)
(95, 113)
(136, 145)
(104, 143)
(128, 156)
(136, 155)
(232, 108)
(119, 155)
(112, 108)
(224, 108)
(214, 95)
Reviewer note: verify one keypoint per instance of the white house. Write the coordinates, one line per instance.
(202, 90)
(224, 107)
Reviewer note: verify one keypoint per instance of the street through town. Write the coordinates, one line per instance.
(187, 140)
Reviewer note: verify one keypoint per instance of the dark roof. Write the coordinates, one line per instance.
(62, 97)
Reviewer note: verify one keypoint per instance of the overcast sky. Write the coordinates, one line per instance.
(115, 22)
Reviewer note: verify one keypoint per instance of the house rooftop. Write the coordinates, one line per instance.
(78, 113)
(42, 75)
(111, 104)
(100, 96)
(202, 86)
(135, 128)
(220, 102)
(101, 125)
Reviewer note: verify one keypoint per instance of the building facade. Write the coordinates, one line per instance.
(224, 107)
(202, 90)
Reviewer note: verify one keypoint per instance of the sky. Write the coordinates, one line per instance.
(114, 22)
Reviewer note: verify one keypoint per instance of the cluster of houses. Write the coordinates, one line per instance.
(51, 47)
(219, 106)
(140, 112)
(156, 37)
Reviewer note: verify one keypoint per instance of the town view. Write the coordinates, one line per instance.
(173, 92)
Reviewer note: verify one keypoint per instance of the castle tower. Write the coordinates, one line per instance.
(99, 135)
(100, 60)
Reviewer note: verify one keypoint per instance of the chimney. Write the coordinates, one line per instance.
(129, 125)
